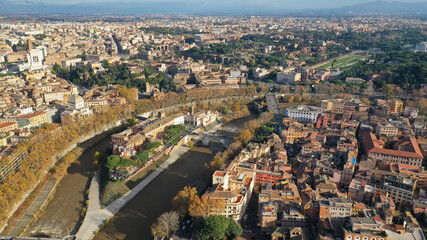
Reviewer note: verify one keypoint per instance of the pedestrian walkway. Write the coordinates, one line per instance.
(20, 224)
(96, 216)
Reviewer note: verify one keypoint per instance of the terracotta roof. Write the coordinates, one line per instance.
(372, 145)
(221, 174)
(6, 124)
(32, 114)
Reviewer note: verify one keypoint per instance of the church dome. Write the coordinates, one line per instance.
(76, 101)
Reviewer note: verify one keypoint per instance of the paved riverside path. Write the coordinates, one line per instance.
(96, 216)
(19, 225)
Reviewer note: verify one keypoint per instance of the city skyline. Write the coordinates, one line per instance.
(213, 7)
(306, 4)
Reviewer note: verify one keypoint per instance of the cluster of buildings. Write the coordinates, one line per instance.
(132, 142)
(128, 143)
(337, 171)
(35, 98)
(359, 169)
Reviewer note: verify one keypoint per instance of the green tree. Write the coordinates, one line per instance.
(234, 230)
(219, 227)
(112, 161)
(152, 145)
(132, 121)
(142, 156)
(126, 162)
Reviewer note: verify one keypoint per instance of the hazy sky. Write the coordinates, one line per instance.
(289, 4)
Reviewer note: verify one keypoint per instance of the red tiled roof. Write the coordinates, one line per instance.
(6, 124)
(372, 146)
(221, 174)
(32, 114)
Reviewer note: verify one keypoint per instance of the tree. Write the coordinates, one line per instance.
(126, 162)
(235, 147)
(267, 129)
(190, 144)
(366, 101)
(142, 156)
(244, 136)
(181, 201)
(152, 145)
(197, 206)
(234, 230)
(112, 161)
(132, 121)
(165, 225)
(251, 125)
(265, 117)
(219, 227)
(388, 91)
(213, 227)
(97, 158)
(236, 106)
(417, 93)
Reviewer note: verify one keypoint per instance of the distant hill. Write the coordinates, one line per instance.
(211, 7)
(385, 7)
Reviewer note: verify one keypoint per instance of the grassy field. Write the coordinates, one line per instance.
(115, 189)
(343, 62)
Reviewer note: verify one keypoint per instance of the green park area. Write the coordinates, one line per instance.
(342, 62)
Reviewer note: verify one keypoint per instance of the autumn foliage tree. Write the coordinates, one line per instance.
(165, 225)
(244, 136)
(181, 201)
(43, 149)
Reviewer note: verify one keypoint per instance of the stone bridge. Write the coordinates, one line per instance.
(206, 138)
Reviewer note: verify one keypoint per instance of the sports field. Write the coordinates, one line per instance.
(343, 62)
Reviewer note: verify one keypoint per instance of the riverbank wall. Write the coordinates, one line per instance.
(57, 157)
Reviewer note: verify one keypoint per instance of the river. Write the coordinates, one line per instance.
(135, 219)
(62, 213)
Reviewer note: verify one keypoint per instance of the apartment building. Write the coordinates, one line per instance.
(360, 191)
(414, 172)
(294, 217)
(335, 208)
(231, 190)
(293, 133)
(303, 113)
(97, 104)
(385, 108)
(288, 77)
(400, 189)
(6, 127)
(343, 105)
(407, 151)
(363, 236)
(396, 106)
(332, 105)
(126, 144)
(268, 216)
(32, 119)
(202, 118)
(386, 129)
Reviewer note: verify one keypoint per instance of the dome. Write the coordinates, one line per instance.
(76, 101)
